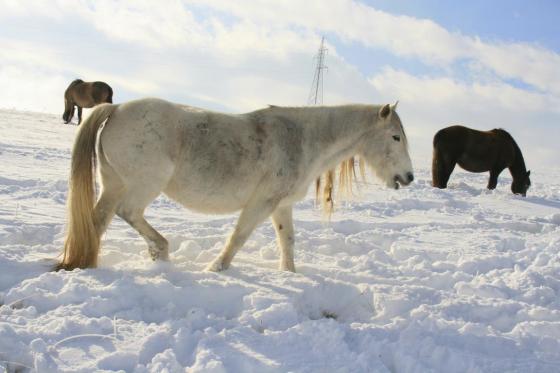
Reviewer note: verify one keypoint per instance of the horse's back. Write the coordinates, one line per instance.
(473, 150)
(101, 92)
(102, 87)
(205, 160)
(452, 140)
(89, 94)
(142, 124)
(135, 141)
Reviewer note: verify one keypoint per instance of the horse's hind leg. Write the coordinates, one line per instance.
(112, 192)
(139, 193)
(104, 209)
(442, 167)
(131, 210)
(282, 221)
(252, 215)
(158, 246)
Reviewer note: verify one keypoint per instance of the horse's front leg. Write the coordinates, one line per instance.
(493, 180)
(282, 221)
(70, 115)
(253, 214)
(79, 115)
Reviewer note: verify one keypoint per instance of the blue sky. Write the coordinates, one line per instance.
(534, 22)
(481, 63)
(506, 20)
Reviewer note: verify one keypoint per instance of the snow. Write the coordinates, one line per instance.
(414, 280)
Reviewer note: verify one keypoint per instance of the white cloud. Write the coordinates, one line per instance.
(158, 25)
(403, 36)
(268, 26)
(33, 90)
(532, 64)
(438, 91)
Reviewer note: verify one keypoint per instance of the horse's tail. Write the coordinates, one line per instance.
(435, 167)
(437, 161)
(110, 94)
(82, 238)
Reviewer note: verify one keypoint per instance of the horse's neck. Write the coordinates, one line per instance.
(333, 134)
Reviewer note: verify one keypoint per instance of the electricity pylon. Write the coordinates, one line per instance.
(316, 93)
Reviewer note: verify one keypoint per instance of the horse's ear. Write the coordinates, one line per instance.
(394, 106)
(384, 112)
(528, 173)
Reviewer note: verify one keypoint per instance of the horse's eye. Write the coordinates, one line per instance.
(397, 138)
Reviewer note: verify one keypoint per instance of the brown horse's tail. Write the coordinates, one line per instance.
(438, 164)
(82, 238)
(110, 95)
(435, 168)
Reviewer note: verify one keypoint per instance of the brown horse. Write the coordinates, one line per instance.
(478, 151)
(84, 94)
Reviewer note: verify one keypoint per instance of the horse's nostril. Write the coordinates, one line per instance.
(410, 177)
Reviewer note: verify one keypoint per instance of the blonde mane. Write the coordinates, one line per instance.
(346, 178)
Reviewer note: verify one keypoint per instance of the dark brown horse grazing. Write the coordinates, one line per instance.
(84, 94)
(478, 151)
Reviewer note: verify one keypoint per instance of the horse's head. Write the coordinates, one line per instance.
(386, 149)
(520, 185)
(68, 111)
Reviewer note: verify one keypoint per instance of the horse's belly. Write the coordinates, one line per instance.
(199, 202)
(472, 165)
(210, 194)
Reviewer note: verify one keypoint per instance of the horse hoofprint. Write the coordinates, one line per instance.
(260, 162)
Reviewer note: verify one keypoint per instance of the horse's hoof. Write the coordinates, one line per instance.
(159, 255)
(215, 266)
(287, 267)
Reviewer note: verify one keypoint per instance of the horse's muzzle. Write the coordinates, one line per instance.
(399, 180)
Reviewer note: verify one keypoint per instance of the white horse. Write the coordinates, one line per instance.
(260, 162)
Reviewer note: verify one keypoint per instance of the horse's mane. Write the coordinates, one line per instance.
(325, 183)
(346, 178)
(518, 154)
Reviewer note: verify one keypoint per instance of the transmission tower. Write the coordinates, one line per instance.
(316, 98)
(316, 93)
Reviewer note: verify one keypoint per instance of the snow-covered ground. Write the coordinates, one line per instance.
(414, 280)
